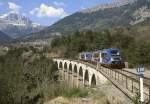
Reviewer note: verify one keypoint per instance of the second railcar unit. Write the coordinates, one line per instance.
(86, 56)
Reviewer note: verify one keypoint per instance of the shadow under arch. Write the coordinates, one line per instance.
(93, 81)
(65, 66)
(75, 69)
(60, 65)
(86, 78)
(70, 68)
(81, 72)
(56, 63)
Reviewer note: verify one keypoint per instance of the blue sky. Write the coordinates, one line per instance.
(47, 12)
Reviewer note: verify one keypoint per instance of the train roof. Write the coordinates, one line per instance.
(86, 53)
(98, 51)
(109, 49)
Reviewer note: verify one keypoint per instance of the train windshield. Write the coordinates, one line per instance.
(115, 53)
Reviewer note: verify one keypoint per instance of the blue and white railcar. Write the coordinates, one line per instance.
(87, 56)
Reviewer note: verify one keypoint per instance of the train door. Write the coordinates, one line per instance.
(100, 57)
(104, 58)
(96, 56)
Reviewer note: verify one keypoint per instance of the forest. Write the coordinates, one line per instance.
(135, 52)
(26, 76)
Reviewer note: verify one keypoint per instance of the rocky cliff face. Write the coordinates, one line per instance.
(118, 3)
(16, 25)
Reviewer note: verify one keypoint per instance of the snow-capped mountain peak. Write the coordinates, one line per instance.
(2, 16)
(15, 19)
(36, 24)
(15, 24)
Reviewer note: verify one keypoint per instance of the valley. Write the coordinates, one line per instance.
(70, 61)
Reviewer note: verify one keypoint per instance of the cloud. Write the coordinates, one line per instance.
(48, 11)
(14, 7)
(24, 14)
(59, 4)
(1, 4)
(82, 7)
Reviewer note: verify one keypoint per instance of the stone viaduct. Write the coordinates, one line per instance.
(85, 74)
(81, 73)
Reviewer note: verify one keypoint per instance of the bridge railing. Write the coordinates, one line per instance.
(128, 83)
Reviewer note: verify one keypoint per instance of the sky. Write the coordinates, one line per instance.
(47, 12)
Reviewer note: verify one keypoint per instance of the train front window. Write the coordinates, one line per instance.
(115, 53)
(117, 59)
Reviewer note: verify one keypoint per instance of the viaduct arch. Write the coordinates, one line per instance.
(88, 76)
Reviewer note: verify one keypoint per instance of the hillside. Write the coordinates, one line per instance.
(4, 38)
(98, 19)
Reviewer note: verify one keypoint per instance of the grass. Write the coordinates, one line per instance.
(77, 92)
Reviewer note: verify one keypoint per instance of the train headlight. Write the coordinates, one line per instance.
(111, 59)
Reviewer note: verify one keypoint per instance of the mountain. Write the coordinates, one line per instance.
(4, 38)
(98, 18)
(16, 25)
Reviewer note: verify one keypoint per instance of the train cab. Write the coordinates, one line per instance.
(112, 57)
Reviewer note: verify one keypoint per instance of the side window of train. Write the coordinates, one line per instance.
(82, 56)
(96, 55)
(104, 55)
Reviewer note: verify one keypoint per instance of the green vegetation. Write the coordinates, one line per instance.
(134, 51)
(77, 92)
(27, 77)
(93, 96)
(136, 100)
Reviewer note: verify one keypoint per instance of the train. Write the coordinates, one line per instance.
(111, 57)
